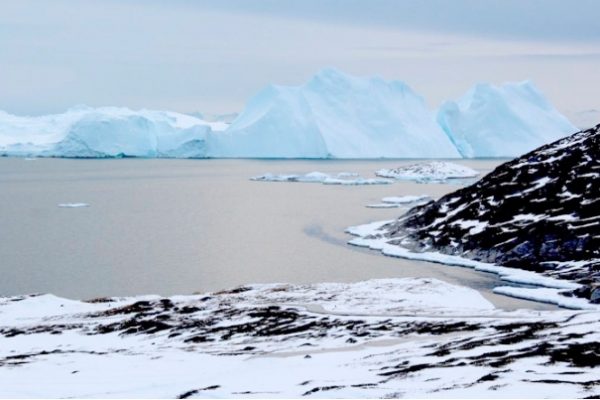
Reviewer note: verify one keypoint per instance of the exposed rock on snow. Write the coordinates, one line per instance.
(502, 121)
(335, 115)
(415, 338)
(342, 178)
(538, 214)
(428, 172)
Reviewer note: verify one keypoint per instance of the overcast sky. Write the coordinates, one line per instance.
(211, 56)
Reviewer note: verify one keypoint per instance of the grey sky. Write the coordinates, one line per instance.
(212, 56)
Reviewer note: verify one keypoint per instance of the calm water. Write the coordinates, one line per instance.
(184, 226)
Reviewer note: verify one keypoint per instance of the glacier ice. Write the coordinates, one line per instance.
(105, 132)
(335, 115)
(502, 121)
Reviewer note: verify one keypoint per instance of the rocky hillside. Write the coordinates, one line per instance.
(539, 212)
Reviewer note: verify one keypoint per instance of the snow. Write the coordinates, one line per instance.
(342, 178)
(372, 236)
(432, 171)
(335, 115)
(502, 121)
(546, 295)
(414, 338)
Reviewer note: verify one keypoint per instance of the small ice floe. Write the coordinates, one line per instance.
(73, 205)
(396, 202)
(428, 172)
(357, 181)
(348, 175)
(342, 178)
(405, 199)
(30, 158)
(383, 205)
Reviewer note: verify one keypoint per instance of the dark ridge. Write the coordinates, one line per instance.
(538, 212)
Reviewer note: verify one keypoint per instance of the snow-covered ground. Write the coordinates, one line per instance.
(415, 338)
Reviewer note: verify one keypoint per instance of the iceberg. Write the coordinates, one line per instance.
(335, 115)
(105, 132)
(502, 121)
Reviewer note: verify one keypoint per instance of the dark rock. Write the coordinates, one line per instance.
(538, 212)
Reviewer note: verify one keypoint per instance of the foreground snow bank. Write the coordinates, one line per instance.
(433, 171)
(380, 338)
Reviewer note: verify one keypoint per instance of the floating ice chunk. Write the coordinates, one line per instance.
(405, 199)
(348, 175)
(428, 172)
(397, 202)
(357, 181)
(73, 205)
(383, 205)
(320, 177)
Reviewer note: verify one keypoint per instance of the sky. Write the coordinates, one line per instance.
(212, 56)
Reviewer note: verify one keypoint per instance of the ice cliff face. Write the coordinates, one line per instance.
(539, 212)
(502, 121)
(335, 115)
(105, 132)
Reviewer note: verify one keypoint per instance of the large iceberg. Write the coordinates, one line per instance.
(502, 121)
(335, 115)
(106, 132)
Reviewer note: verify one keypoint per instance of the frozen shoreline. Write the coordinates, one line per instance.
(371, 236)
